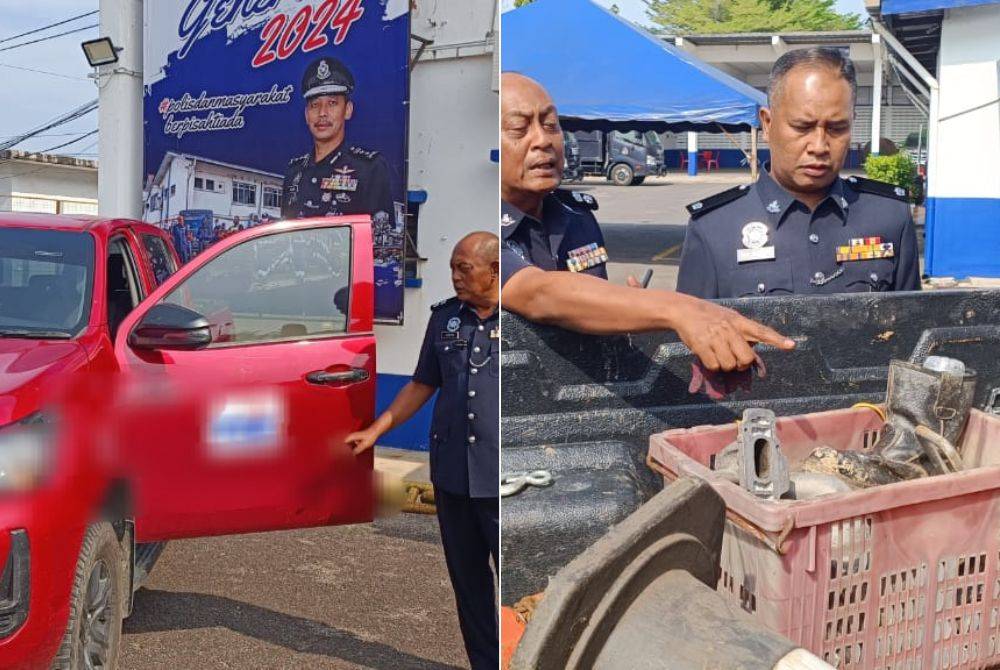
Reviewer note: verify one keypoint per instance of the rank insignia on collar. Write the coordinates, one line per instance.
(865, 249)
(585, 257)
(773, 207)
(339, 183)
(507, 220)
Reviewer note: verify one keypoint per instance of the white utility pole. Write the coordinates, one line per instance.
(119, 175)
(877, 94)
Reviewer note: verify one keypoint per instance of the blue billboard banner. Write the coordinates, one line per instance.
(258, 110)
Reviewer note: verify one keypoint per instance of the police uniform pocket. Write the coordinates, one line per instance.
(763, 278)
(450, 357)
(494, 358)
(869, 275)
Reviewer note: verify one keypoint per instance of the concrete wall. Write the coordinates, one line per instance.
(453, 129)
(45, 181)
(963, 208)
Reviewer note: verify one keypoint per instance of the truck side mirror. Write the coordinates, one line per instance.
(171, 327)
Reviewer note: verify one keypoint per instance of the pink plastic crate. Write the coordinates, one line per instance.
(902, 577)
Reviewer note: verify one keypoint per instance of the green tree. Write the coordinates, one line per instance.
(748, 16)
(522, 3)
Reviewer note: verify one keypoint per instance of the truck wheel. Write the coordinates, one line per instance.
(637, 180)
(621, 175)
(97, 604)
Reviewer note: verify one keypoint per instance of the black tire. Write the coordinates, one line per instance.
(621, 174)
(637, 180)
(97, 604)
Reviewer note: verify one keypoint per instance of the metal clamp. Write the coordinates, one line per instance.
(992, 405)
(516, 482)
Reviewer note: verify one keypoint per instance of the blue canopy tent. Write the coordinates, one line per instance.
(604, 73)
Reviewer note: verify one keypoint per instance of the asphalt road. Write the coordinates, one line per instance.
(366, 596)
(644, 225)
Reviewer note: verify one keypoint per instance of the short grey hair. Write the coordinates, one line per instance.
(833, 59)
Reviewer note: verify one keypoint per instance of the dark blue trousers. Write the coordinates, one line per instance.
(470, 533)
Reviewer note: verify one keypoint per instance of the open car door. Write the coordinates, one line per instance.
(243, 372)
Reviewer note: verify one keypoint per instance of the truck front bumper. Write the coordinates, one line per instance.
(15, 584)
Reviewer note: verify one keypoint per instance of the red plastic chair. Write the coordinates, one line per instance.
(684, 160)
(710, 159)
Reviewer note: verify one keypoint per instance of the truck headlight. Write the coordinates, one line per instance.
(25, 447)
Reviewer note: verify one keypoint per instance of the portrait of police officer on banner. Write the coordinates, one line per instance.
(333, 179)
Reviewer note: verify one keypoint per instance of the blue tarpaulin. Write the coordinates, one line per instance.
(603, 72)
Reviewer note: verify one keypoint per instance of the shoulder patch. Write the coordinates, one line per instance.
(576, 199)
(874, 187)
(696, 209)
(364, 153)
(441, 303)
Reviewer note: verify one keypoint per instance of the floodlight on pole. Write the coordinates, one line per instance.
(101, 51)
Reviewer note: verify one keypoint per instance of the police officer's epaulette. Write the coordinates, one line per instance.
(299, 161)
(696, 209)
(364, 153)
(441, 303)
(863, 185)
(576, 199)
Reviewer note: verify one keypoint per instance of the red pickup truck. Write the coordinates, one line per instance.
(280, 314)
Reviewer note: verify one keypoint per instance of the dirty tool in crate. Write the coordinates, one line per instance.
(755, 460)
(927, 409)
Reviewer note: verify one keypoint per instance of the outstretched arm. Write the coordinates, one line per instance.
(719, 336)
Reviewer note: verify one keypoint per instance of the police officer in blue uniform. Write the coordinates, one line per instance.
(553, 261)
(566, 237)
(801, 228)
(460, 358)
(334, 179)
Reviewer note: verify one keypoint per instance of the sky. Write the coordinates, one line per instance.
(60, 81)
(32, 98)
(635, 10)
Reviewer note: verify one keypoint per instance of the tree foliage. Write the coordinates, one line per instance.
(748, 16)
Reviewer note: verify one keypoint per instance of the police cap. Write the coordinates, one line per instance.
(327, 76)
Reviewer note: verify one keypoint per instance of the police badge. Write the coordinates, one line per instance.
(755, 243)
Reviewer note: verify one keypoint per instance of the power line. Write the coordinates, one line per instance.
(31, 69)
(72, 115)
(43, 135)
(50, 37)
(66, 144)
(51, 25)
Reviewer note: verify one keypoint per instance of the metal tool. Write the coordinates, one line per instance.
(763, 468)
(516, 482)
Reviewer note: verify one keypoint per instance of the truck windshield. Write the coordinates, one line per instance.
(46, 279)
(653, 142)
(632, 137)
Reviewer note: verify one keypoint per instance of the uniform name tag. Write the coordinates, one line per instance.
(445, 335)
(759, 254)
(586, 257)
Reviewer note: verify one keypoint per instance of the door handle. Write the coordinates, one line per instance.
(342, 377)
